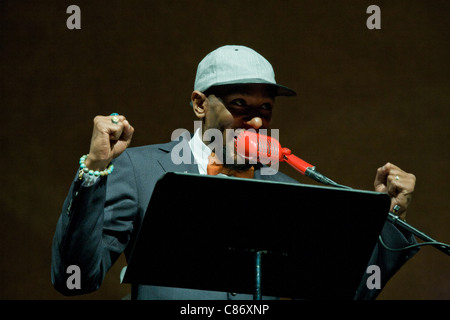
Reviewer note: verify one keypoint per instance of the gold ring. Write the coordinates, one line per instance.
(115, 120)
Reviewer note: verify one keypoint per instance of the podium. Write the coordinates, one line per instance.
(203, 232)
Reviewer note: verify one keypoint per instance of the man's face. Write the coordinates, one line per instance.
(238, 107)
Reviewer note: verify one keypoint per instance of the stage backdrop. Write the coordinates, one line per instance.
(365, 97)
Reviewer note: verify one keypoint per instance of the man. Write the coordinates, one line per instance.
(235, 89)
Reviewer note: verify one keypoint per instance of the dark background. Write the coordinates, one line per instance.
(365, 97)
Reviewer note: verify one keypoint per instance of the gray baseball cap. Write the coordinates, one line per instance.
(233, 64)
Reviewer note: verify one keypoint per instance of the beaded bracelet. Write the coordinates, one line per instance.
(84, 169)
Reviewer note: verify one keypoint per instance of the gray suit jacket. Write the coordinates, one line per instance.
(100, 222)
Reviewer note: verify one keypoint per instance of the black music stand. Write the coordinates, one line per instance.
(202, 232)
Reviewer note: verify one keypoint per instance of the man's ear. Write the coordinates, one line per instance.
(199, 103)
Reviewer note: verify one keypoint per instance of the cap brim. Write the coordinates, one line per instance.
(280, 90)
(285, 91)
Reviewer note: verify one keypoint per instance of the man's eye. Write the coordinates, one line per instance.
(266, 106)
(238, 102)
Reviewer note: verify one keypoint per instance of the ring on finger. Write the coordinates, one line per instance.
(397, 178)
(115, 120)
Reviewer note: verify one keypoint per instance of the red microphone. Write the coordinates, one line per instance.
(262, 148)
(265, 149)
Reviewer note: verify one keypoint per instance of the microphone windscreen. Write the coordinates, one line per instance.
(258, 147)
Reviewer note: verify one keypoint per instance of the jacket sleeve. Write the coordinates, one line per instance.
(388, 261)
(94, 228)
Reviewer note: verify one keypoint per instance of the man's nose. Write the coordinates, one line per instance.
(255, 123)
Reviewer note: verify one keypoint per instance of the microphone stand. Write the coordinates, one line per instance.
(268, 146)
(395, 220)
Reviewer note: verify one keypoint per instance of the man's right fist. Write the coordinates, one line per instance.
(108, 141)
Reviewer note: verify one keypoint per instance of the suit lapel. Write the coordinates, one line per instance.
(165, 161)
